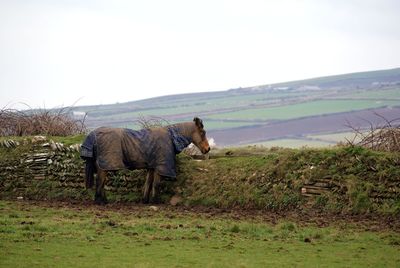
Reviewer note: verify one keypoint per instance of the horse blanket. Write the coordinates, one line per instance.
(122, 148)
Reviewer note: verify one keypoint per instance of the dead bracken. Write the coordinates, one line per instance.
(55, 122)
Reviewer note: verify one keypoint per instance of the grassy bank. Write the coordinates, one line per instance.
(357, 180)
(346, 179)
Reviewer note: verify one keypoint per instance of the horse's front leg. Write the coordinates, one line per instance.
(101, 178)
(155, 190)
(148, 185)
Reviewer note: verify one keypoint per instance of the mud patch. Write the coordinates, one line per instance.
(301, 217)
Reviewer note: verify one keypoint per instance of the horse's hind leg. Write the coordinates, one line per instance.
(155, 191)
(100, 197)
(148, 185)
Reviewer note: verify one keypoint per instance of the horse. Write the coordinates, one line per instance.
(154, 149)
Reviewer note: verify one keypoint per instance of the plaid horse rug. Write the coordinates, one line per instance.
(121, 148)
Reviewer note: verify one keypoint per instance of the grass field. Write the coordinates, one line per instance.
(281, 112)
(201, 104)
(247, 115)
(304, 109)
(311, 141)
(74, 235)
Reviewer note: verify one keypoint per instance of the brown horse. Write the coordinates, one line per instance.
(111, 149)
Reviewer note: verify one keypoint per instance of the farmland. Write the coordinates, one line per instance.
(253, 108)
(227, 113)
(304, 109)
(303, 127)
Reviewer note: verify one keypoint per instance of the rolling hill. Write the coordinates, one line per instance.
(290, 110)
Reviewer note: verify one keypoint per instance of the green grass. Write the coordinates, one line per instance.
(67, 140)
(35, 236)
(304, 109)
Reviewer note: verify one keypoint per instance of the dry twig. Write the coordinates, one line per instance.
(379, 137)
(58, 122)
(151, 121)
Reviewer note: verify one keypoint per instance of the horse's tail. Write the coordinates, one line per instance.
(88, 153)
(90, 169)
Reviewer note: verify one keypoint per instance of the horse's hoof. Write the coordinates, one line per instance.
(100, 202)
(155, 200)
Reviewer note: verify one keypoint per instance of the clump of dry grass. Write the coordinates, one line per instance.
(151, 121)
(384, 137)
(55, 122)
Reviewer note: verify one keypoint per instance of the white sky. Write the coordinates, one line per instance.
(54, 53)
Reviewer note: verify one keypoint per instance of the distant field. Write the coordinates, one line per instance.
(304, 109)
(214, 125)
(272, 111)
(304, 126)
(246, 103)
(159, 112)
(209, 124)
(205, 105)
(377, 94)
(293, 143)
(334, 137)
(312, 141)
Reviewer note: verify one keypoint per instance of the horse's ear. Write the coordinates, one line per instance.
(199, 122)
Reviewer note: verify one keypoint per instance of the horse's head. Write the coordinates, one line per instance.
(199, 136)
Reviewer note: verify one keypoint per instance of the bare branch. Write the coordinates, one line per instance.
(151, 121)
(39, 122)
(379, 137)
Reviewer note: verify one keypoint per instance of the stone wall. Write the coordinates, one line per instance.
(44, 169)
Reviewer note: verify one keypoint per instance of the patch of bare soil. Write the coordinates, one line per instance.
(365, 222)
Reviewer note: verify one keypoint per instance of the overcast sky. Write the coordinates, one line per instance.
(54, 53)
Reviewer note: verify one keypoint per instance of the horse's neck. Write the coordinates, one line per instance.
(185, 129)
